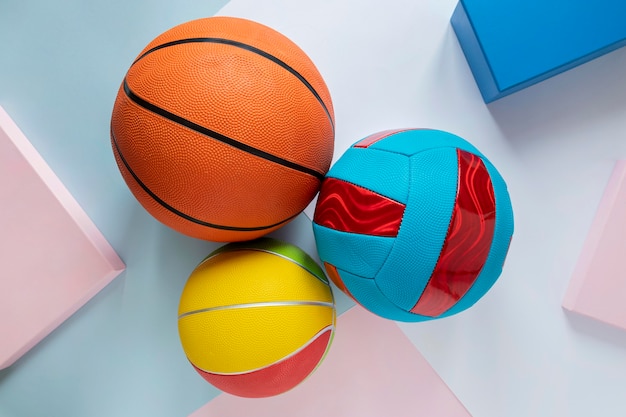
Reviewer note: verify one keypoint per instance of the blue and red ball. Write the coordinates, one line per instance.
(413, 224)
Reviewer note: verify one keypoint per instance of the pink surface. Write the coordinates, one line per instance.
(54, 259)
(372, 370)
(598, 286)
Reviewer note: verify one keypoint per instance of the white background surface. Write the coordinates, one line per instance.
(388, 65)
(398, 64)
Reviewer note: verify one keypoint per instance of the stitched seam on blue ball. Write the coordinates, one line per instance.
(456, 197)
(424, 318)
(346, 256)
(410, 178)
(352, 233)
(460, 145)
(356, 275)
(399, 229)
(391, 251)
(416, 153)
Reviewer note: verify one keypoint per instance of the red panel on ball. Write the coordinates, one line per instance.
(349, 208)
(277, 378)
(468, 239)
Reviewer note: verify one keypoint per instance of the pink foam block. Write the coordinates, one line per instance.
(598, 286)
(54, 259)
(372, 370)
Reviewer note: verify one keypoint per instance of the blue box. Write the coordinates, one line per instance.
(513, 44)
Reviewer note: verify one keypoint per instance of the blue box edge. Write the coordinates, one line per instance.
(482, 71)
(474, 54)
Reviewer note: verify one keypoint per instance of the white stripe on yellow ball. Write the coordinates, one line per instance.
(252, 305)
(249, 276)
(313, 339)
(235, 341)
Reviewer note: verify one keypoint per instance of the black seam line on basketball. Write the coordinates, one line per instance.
(180, 213)
(217, 136)
(250, 48)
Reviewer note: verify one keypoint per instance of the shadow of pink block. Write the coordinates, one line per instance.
(598, 285)
(54, 259)
(371, 370)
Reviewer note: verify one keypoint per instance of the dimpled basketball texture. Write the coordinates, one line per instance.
(256, 318)
(413, 224)
(223, 129)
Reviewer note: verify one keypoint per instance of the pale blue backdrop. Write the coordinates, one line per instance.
(61, 64)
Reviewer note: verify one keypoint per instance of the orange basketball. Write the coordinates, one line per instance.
(223, 129)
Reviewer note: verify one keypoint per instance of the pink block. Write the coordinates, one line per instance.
(54, 259)
(598, 286)
(372, 370)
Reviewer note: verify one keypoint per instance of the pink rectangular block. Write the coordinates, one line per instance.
(598, 286)
(372, 370)
(54, 259)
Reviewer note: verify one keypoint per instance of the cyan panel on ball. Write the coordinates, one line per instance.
(362, 255)
(424, 226)
(413, 141)
(374, 171)
(370, 297)
(503, 233)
